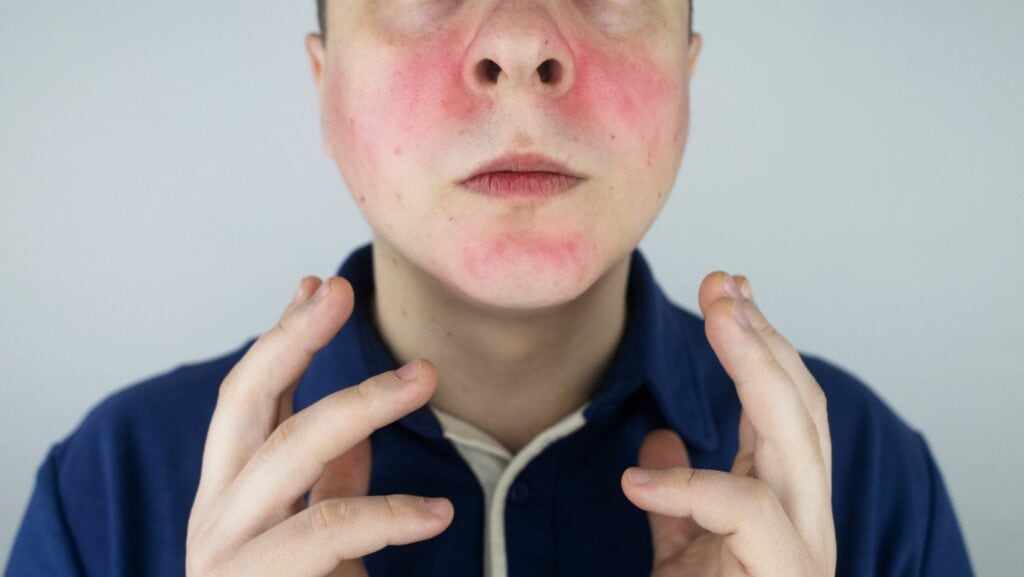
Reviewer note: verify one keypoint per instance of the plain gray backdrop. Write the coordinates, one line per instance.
(163, 189)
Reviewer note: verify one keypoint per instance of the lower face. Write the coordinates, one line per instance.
(405, 127)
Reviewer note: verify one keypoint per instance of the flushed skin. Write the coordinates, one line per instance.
(409, 107)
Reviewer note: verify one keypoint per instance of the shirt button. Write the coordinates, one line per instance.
(519, 493)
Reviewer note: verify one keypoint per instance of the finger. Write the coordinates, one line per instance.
(248, 403)
(743, 463)
(788, 453)
(714, 286)
(296, 454)
(744, 510)
(788, 356)
(345, 476)
(662, 449)
(314, 542)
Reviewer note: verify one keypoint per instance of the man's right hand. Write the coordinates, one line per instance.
(249, 516)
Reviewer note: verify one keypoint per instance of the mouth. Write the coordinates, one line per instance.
(522, 175)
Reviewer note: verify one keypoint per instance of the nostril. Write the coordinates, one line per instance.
(549, 71)
(489, 70)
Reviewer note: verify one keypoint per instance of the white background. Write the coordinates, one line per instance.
(162, 190)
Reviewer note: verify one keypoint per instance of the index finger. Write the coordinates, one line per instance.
(811, 392)
(248, 401)
(788, 454)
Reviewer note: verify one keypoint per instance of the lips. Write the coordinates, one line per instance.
(527, 174)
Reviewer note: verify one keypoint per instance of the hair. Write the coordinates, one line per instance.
(321, 15)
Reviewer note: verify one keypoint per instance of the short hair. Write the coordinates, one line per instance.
(321, 15)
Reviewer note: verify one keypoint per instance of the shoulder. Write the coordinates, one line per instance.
(178, 402)
(892, 511)
(124, 479)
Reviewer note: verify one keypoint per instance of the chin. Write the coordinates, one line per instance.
(524, 275)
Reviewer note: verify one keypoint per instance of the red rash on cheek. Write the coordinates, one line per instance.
(427, 88)
(625, 91)
(607, 83)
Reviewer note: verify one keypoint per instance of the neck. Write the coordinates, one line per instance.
(511, 375)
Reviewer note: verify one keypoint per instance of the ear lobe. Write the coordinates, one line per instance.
(696, 41)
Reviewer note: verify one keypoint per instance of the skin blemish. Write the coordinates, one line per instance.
(543, 253)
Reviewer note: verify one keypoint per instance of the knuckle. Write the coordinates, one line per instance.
(768, 361)
(284, 437)
(226, 392)
(690, 477)
(809, 434)
(393, 507)
(230, 389)
(763, 500)
(819, 402)
(326, 516)
(760, 322)
(403, 509)
(368, 402)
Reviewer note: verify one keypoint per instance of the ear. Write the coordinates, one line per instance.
(695, 43)
(317, 61)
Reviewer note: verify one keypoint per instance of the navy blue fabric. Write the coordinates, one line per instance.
(113, 498)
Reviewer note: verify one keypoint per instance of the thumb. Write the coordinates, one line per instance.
(662, 449)
(347, 475)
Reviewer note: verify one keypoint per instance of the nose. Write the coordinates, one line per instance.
(518, 47)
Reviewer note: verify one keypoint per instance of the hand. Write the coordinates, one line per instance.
(771, 515)
(249, 516)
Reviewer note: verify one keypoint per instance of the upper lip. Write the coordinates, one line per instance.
(523, 162)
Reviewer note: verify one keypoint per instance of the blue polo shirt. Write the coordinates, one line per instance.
(113, 497)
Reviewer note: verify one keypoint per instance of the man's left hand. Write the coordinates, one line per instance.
(771, 515)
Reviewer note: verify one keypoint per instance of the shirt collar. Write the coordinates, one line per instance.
(657, 349)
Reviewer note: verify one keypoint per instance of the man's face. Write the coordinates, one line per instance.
(416, 95)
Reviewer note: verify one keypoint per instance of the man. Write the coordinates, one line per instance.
(562, 414)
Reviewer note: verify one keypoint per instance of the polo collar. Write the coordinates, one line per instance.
(656, 350)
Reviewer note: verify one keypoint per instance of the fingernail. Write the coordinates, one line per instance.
(747, 289)
(437, 507)
(321, 291)
(731, 288)
(638, 476)
(298, 293)
(409, 371)
(739, 310)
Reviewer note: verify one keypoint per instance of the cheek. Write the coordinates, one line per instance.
(636, 103)
(397, 106)
(628, 101)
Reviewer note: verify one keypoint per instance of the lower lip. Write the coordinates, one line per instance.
(521, 184)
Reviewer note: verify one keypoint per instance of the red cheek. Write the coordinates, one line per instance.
(428, 87)
(620, 94)
(610, 90)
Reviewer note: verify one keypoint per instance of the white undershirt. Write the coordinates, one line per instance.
(496, 469)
